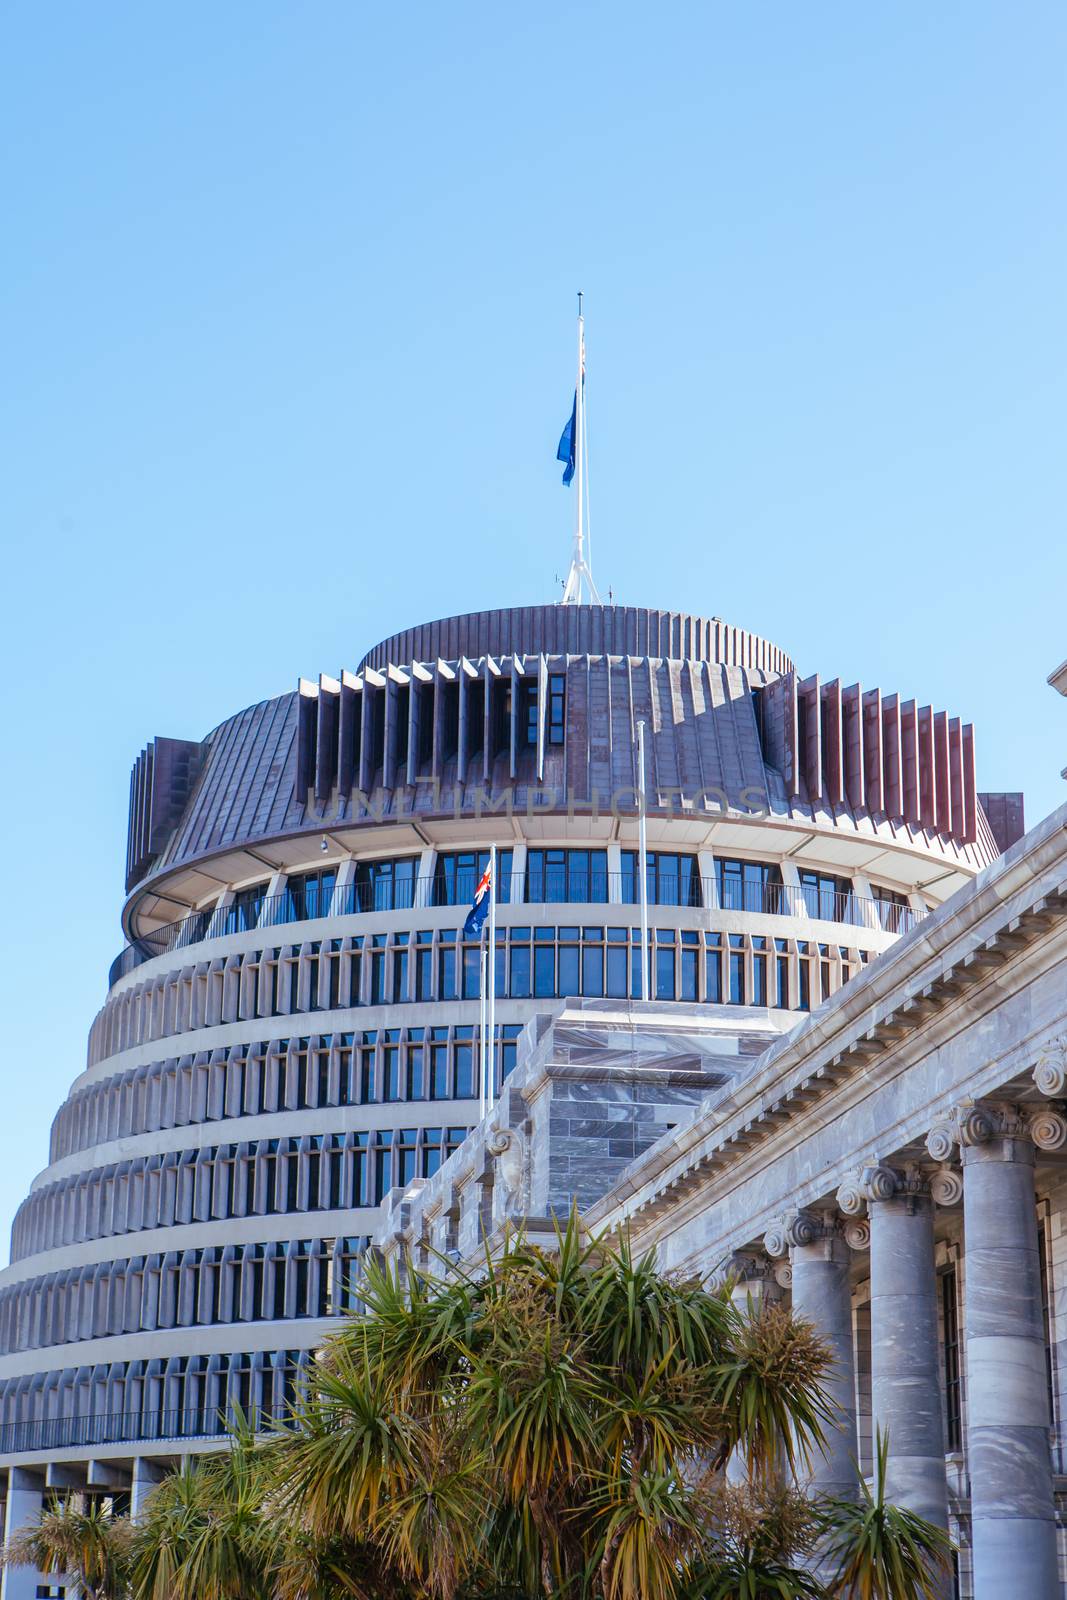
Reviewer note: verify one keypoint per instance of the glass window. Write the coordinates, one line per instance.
(244, 910)
(386, 885)
(431, 1151)
(748, 885)
(713, 969)
(561, 876)
(520, 971)
(824, 896)
(593, 969)
(892, 909)
(308, 894)
(737, 970)
(391, 1064)
(464, 1048)
(672, 879)
(544, 970)
(557, 687)
(457, 874)
(416, 1071)
(950, 1351)
(439, 1064)
(423, 965)
(664, 973)
(446, 973)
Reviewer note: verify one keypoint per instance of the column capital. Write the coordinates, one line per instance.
(984, 1122)
(880, 1181)
(748, 1266)
(1050, 1072)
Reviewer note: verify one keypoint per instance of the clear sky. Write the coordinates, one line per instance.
(287, 338)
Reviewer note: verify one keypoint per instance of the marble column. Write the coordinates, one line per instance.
(905, 1379)
(1012, 1509)
(25, 1497)
(819, 1259)
(755, 1281)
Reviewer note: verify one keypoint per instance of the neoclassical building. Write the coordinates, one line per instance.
(285, 1063)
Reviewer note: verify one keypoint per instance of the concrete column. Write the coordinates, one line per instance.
(146, 1474)
(25, 1497)
(1012, 1510)
(820, 1260)
(905, 1379)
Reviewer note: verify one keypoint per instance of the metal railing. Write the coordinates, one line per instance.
(547, 886)
(120, 1427)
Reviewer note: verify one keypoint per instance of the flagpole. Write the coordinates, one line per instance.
(481, 1031)
(642, 859)
(580, 570)
(491, 1086)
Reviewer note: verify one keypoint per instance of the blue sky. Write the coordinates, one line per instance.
(287, 333)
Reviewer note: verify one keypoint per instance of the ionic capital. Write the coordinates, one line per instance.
(982, 1122)
(800, 1228)
(946, 1186)
(1050, 1073)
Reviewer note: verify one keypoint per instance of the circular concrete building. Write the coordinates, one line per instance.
(291, 1030)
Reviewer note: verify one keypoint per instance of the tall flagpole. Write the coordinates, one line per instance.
(482, 1107)
(579, 568)
(642, 859)
(491, 1082)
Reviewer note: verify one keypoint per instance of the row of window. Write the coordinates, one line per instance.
(262, 1177)
(245, 1080)
(577, 876)
(426, 966)
(182, 1289)
(235, 1283)
(192, 1396)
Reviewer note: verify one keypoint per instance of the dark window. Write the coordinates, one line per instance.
(1046, 1313)
(244, 910)
(458, 872)
(386, 885)
(555, 876)
(557, 688)
(748, 885)
(824, 896)
(737, 970)
(672, 878)
(308, 894)
(713, 969)
(950, 1346)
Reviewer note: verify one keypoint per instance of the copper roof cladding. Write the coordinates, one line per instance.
(558, 630)
(433, 723)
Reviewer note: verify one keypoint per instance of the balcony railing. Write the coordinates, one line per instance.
(117, 1427)
(550, 886)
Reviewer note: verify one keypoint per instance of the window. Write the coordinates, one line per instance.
(892, 909)
(308, 894)
(406, 1151)
(713, 968)
(458, 872)
(557, 689)
(1046, 1307)
(781, 975)
(446, 967)
(416, 1072)
(824, 896)
(391, 1064)
(243, 912)
(529, 706)
(737, 970)
(386, 885)
(950, 1350)
(664, 952)
(748, 885)
(672, 879)
(423, 965)
(566, 875)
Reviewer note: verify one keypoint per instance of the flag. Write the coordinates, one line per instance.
(472, 928)
(568, 440)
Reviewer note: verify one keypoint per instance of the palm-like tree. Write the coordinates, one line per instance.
(554, 1428)
(79, 1538)
(881, 1550)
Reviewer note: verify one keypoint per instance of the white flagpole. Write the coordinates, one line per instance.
(481, 1032)
(642, 860)
(491, 1085)
(580, 571)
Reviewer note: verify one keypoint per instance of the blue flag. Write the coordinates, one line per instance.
(568, 441)
(472, 928)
